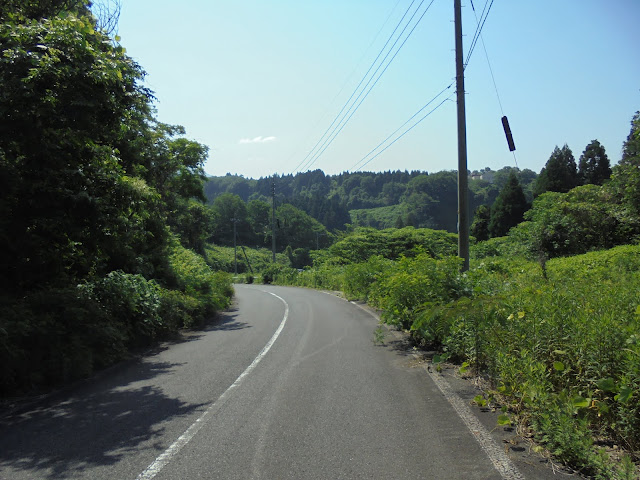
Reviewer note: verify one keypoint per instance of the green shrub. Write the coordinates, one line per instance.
(280, 274)
(324, 276)
(178, 310)
(360, 277)
(416, 283)
(222, 258)
(583, 219)
(54, 336)
(392, 243)
(207, 291)
(131, 302)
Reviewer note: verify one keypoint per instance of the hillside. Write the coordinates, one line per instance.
(370, 199)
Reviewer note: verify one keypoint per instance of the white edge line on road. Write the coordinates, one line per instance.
(499, 459)
(163, 459)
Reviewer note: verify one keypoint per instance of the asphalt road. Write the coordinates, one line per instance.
(284, 386)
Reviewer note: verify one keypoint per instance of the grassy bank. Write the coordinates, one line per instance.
(560, 340)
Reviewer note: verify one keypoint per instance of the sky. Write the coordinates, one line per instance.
(260, 82)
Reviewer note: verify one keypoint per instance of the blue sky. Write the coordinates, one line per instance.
(259, 82)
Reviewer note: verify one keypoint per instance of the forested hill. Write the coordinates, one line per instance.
(380, 200)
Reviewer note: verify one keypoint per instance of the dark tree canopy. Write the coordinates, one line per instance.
(594, 167)
(508, 209)
(480, 225)
(228, 209)
(38, 9)
(560, 174)
(631, 147)
(625, 180)
(97, 196)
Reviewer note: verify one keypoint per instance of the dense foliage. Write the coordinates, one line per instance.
(104, 233)
(508, 209)
(368, 199)
(560, 173)
(95, 194)
(252, 225)
(594, 166)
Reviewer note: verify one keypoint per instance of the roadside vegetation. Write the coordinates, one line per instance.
(549, 314)
(112, 238)
(102, 214)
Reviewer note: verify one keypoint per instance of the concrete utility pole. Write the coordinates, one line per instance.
(463, 200)
(273, 220)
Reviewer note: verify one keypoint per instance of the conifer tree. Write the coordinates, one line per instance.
(560, 174)
(480, 225)
(625, 180)
(508, 209)
(594, 167)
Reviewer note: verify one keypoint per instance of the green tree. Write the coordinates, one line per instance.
(508, 209)
(92, 185)
(593, 166)
(392, 191)
(433, 200)
(69, 207)
(480, 225)
(560, 173)
(259, 217)
(296, 228)
(38, 9)
(585, 218)
(625, 180)
(226, 208)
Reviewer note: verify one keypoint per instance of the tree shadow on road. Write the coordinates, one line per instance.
(92, 427)
(226, 321)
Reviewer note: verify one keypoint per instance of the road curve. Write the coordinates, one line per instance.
(321, 402)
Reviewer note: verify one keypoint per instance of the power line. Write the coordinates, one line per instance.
(349, 78)
(486, 55)
(341, 124)
(378, 78)
(357, 87)
(400, 127)
(479, 27)
(354, 107)
(405, 132)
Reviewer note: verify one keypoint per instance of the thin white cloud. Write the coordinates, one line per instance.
(261, 139)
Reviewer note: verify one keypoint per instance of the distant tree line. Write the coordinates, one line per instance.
(368, 199)
(418, 199)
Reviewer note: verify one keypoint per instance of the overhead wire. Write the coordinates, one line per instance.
(360, 98)
(405, 132)
(477, 35)
(486, 54)
(344, 120)
(355, 90)
(312, 157)
(376, 81)
(480, 25)
(397, 130)
(349, 78)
